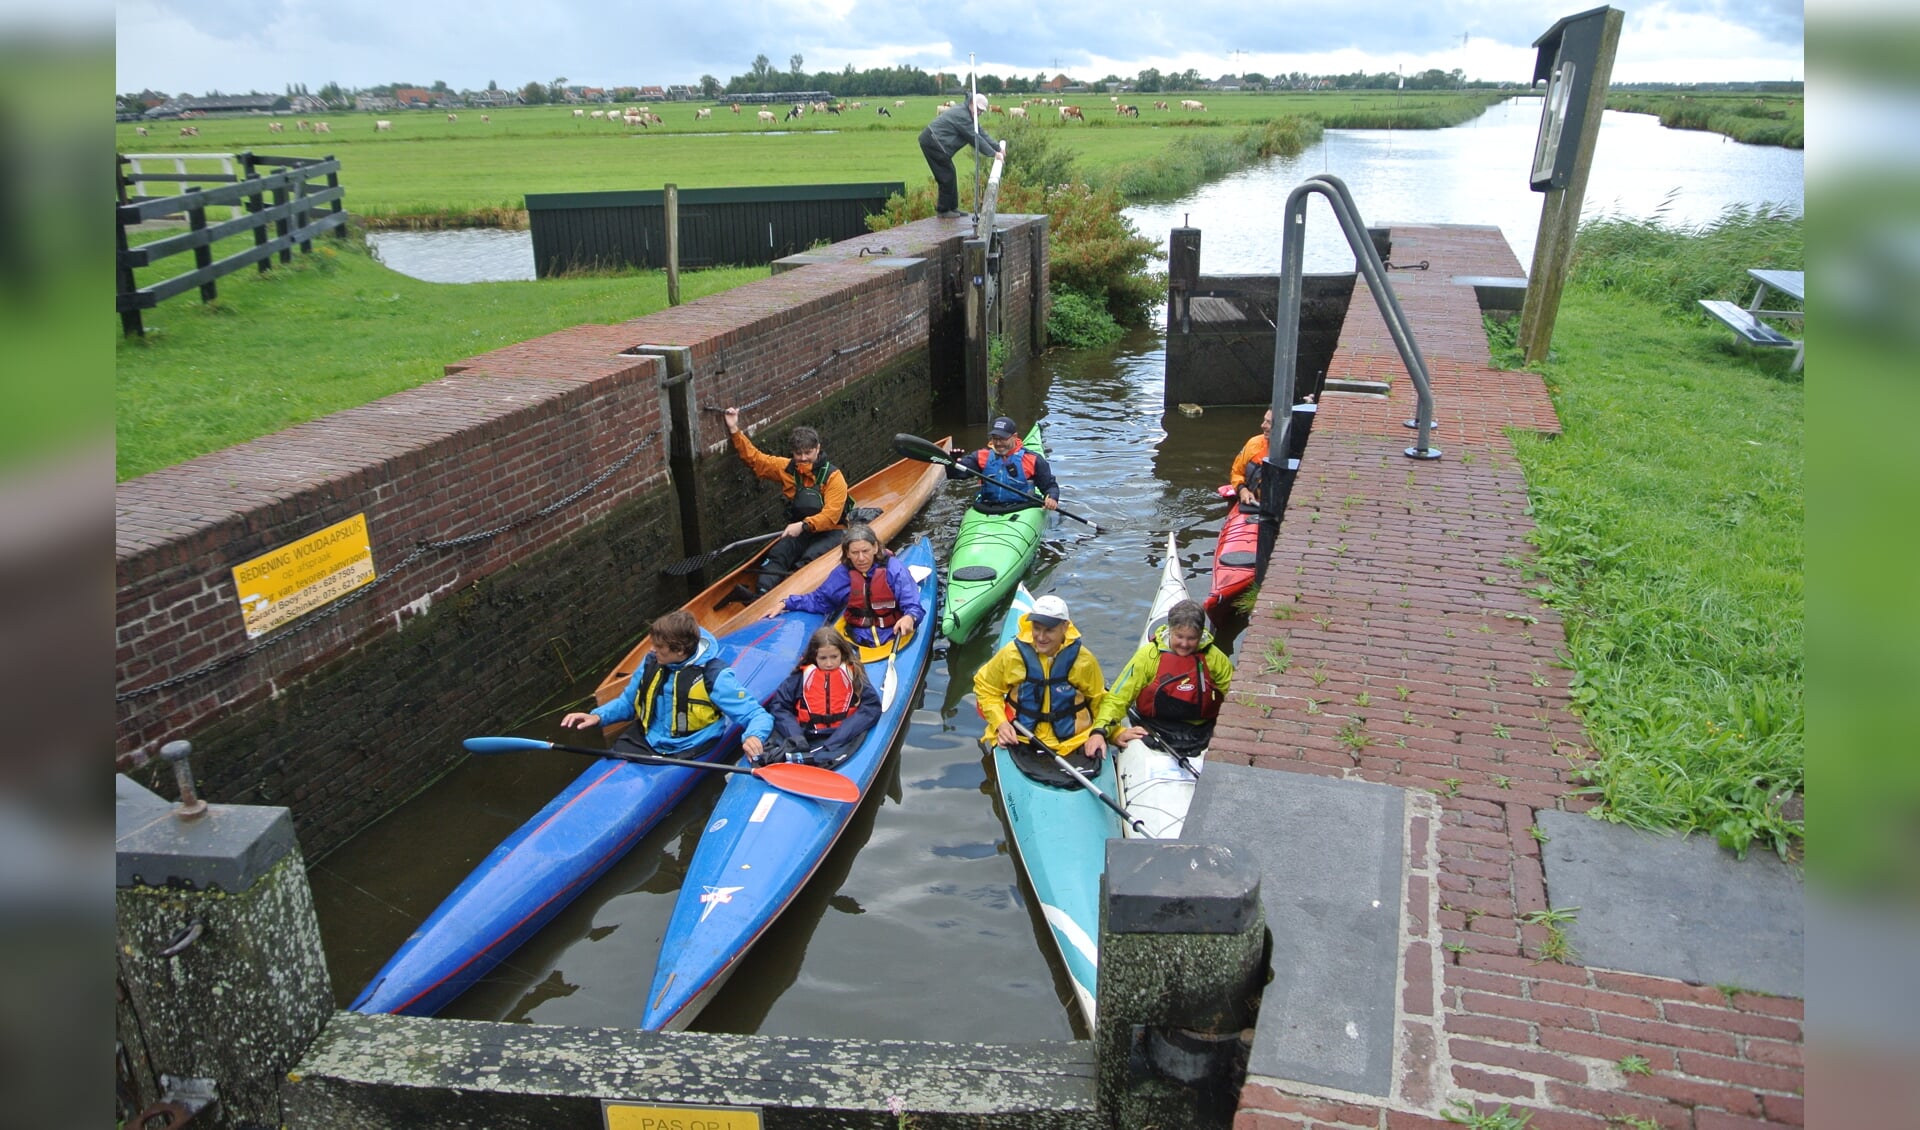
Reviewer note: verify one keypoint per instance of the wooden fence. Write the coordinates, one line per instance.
(306, 200)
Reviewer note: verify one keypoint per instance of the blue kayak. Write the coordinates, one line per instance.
(1060, 838)
(761, 845)
(568, 844)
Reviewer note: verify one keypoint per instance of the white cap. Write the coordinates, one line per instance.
(979, 101)
(1049, 611)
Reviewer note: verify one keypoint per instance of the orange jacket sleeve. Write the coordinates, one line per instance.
(1256, 448)
(764, 466)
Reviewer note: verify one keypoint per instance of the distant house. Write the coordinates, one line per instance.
(412, 96)
(681, 93)
(592, 94)
(223, 104)
(306, 104)
(653, 94)
(490, 98)
(1057, 83)
(374, 102)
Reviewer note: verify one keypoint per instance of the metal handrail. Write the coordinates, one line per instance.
(1286, 339)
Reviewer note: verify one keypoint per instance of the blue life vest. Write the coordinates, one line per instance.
(1015, 467)
(1050, 698)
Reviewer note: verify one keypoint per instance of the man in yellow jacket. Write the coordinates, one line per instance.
(1047, 681)
(817, 501)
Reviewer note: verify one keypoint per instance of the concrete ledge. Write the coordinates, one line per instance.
(1496, 292)
(229, 848)
(371, 1072)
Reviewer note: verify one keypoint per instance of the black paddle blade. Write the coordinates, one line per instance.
(913, 447)
(682, 568)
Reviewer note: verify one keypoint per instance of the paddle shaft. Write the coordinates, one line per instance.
(1082, 778)
(1154, 741)
(930, 453)
(699, 560)
(806, 780)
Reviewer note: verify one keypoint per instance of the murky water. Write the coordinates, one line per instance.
(917, 927)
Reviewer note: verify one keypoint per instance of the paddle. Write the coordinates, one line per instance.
(700, 561)
(913, 447)
(804, 780)
(1154, 741)
(1082, 778)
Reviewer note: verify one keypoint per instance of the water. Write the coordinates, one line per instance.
(1474, 173)
(916, 927)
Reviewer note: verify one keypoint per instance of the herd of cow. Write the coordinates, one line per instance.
(644, 118)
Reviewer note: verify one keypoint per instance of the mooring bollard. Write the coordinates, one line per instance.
(1182, 945)
(179, 754)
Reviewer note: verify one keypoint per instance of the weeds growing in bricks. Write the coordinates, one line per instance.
(1634, 1065)
(1277, 658)
(1555, 947)
(1462, 1112)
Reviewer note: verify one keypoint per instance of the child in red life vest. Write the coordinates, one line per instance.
(879, 596)
(826, 705)
(1173, 686)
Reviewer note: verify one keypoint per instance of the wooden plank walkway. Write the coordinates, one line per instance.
(1417, 658)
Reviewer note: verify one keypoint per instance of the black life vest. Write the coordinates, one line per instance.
(1050, 697)
(871, 601)
(826, 699)
(692, 695)
(1180, 690)
(808, 500)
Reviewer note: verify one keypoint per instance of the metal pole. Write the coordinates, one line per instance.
(973, 88)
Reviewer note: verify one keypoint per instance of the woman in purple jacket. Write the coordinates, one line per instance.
(880, 598)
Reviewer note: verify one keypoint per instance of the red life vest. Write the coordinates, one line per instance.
(826, 700)
(1180, 690)
(870, 599)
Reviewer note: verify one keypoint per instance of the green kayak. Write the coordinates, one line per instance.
(989, 558)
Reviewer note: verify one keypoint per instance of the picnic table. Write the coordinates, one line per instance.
(1746, 323)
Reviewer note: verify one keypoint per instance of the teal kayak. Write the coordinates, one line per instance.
(1060, 838)
(989, 557)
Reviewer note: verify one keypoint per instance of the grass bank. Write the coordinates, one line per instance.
(335, 330)
(1757, 119)
(1669, 517)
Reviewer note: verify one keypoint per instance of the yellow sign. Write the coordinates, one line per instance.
(302, 576)
(628, 1116)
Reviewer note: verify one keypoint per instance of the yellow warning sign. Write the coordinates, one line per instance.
(300, 577)
(628, 1116)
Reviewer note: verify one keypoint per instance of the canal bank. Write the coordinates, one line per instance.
(1396, 644)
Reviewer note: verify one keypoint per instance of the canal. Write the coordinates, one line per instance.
(917, 926)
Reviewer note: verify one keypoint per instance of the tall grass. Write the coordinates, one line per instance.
(1675, 265)
(1668, 519)
(1766, 119)
(1194, 159)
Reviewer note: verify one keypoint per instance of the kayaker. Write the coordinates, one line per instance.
(824, 707)
(817, 501)
(1005, 458)
(1253, 451)
(1050, 682)
(681, 698)
(1173, 685)
(872, 586)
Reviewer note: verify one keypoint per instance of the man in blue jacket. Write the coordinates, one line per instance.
(1009, 473)
(951, 131)
(681, 698)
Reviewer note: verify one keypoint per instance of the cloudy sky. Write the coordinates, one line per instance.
(239, 45)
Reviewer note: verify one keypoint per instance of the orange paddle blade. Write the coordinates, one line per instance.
(809, 780)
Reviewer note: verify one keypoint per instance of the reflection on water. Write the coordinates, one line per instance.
(460, 255)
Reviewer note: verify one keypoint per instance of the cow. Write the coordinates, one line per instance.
(189, 131)
(1016, 112)
(141, 130)
(303, 125)
(879, 111)
(1127, 111)
(703, 115)
(322, 127)
(276, 127)
(1190, 104)
(793, 113)
(766, 117)
(453, 117)
(1158, 105)
(1071, 113)
(484, 118)
(382, 126)
(735, 107)
(583, 113)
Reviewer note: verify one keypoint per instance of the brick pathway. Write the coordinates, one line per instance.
(1415, 657)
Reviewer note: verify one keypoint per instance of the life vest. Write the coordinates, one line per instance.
(691, 694)
(826, 700)
(1180, 690)
(871, 601)
(1048, 696)
(1015, 467)
(807, 499)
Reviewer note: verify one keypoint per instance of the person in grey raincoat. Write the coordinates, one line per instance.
(953, 130)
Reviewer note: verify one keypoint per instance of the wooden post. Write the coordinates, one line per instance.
(203, 254)
(1183, 277)
(339, 205)
(673, 244)
(1560, 214)
(978, 395)
(129, 317)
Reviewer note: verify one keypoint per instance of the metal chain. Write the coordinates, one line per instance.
(420, 549)
(832, 356)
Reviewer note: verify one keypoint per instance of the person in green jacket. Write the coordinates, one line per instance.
(1173, 686)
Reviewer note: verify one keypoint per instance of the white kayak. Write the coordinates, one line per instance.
(1154, 786)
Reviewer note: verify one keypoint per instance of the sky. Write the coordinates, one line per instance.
(194, 46)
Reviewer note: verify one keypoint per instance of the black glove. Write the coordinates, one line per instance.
(959, 453)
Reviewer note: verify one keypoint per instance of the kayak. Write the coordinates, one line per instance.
(898, 491)
(523, 883)
(1060, 838)
(990, 555)
(1234, 557)
(564, 847)
(762, 845)
(1154, 786)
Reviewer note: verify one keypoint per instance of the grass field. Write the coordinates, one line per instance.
(428, 170)
(1757, 119)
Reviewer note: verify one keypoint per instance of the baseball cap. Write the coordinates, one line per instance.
(979, 101)
(1004, 426)
(1048, 612)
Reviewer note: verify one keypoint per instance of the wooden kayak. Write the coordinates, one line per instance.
(899, 491)
(1154, 786)
(761, 845)
(1060, 839)
(564, 847)
(990, 555)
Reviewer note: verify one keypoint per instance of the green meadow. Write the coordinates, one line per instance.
(428, 171)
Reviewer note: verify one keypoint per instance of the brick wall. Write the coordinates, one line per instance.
(348, 711)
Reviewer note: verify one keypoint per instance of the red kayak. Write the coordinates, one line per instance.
(1234, 556)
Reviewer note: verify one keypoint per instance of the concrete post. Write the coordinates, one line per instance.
(1182, 963)
(221, 975)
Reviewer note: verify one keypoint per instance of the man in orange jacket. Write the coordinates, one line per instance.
(817, 501)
